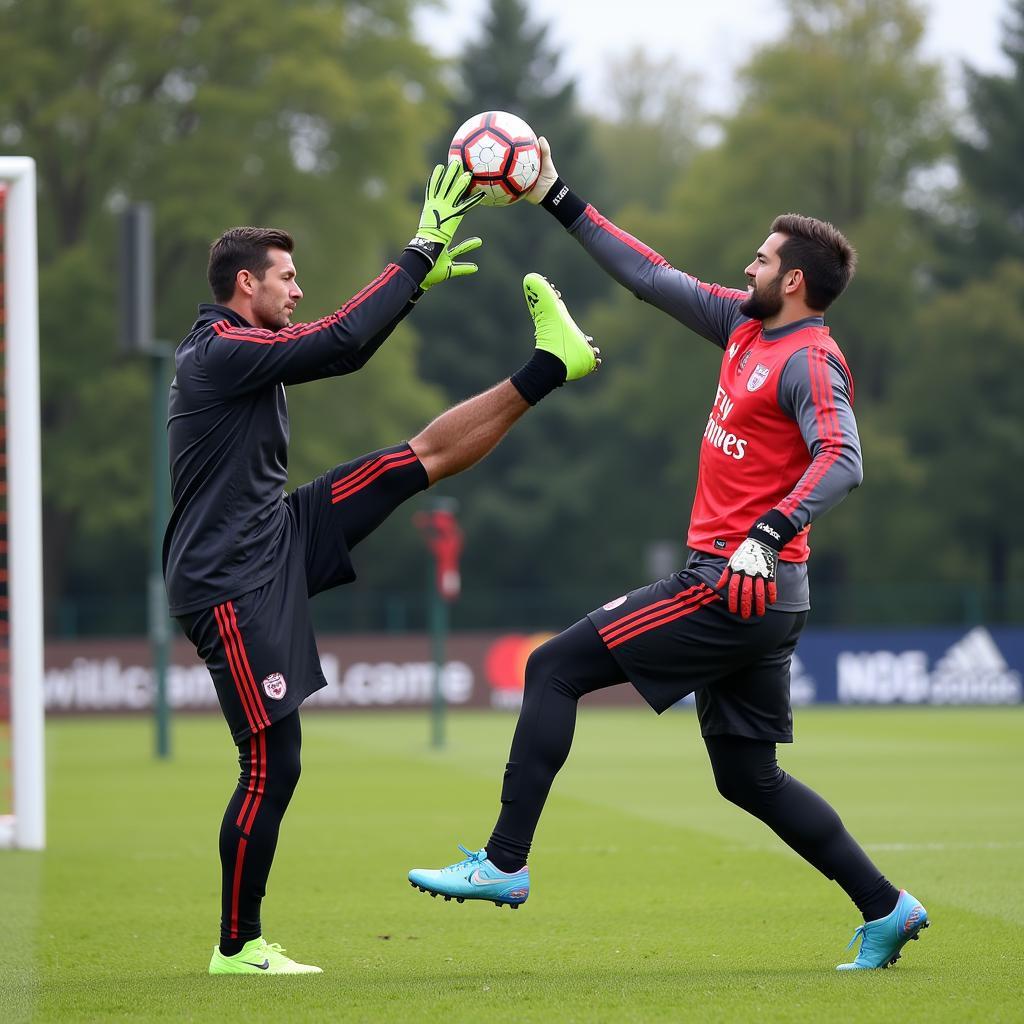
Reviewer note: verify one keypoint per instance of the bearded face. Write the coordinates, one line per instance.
(763, 301)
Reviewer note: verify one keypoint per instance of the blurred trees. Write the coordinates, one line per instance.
(648, 135)
(324, 118)
(311, 116)
(959, 400)
(518, 504)
(834, 120)
(961, 405)
(510, 66)
(991, 158)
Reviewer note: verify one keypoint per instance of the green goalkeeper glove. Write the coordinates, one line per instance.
(445, 202)
(446, 265)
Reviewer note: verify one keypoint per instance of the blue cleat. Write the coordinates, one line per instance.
(882, 940)
(474, 878)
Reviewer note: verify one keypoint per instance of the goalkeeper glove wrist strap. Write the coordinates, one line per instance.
(563, 203)
(426, 248)
(773, 530)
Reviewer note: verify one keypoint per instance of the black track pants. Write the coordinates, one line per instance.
(269, 762)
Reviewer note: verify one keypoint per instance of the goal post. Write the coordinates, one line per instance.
(21, 591)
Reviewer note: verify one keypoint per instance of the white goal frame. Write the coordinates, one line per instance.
(26, 826)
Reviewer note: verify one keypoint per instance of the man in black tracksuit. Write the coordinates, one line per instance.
(242, 558)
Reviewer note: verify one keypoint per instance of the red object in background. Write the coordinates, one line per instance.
(444, 538)
(505, 661)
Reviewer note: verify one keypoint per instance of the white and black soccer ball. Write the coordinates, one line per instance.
(502, 152)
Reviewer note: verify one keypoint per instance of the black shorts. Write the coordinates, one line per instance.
(259, 646)
(677, 637)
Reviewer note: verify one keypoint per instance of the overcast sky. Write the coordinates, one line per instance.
(703, 38)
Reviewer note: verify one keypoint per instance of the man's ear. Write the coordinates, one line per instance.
(243, 282)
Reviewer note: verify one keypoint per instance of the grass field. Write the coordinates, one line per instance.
(653, 899)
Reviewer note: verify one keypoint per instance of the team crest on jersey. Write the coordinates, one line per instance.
(743, 362)
(757, 377)
(274, 686)
(615, 604)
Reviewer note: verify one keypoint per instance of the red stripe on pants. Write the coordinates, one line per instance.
(236, 886)
(244, 661)
(691, 606)
(649, 611)
(227, 639)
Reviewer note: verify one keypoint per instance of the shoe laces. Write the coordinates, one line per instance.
(861, 931)
(472, 857)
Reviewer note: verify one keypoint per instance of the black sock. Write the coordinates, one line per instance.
(539, 376)
(505, 858)
(229, 947)
(880, 902)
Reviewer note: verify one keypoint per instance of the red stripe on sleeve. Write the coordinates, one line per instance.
(258, 336)
(828, 427)
(718, 290)
(634, 243)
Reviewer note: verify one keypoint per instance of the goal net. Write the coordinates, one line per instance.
(22, 812)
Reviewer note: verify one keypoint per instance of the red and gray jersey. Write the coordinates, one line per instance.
(780, 433)
(228, 432)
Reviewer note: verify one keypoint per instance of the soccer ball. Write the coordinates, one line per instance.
(503, 154)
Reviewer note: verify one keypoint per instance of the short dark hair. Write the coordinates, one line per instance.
(821, 251)
(242, 249)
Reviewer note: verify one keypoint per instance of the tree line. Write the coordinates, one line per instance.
(324, 118)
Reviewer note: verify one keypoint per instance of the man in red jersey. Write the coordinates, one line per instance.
(780, 449)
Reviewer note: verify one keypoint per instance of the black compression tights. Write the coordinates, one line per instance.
(269, 762)
(575, 663)
(748, 775)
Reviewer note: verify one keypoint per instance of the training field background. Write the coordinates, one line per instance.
(653, 899)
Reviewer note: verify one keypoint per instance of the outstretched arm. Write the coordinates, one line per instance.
(244, 359)
(240, 360)
(708, 309)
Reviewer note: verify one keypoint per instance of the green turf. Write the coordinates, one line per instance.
(653, 899)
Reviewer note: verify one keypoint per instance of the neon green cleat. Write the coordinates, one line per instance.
(258, 956)
(556, 330)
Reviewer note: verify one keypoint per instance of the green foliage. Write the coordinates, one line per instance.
(509, 66)
(960, 404)
(991, 159)
(835, 121)
(478, 331)
(323, 116)
(648, 136)
(310, 115)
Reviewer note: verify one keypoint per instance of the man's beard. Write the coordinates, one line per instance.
(761, 305)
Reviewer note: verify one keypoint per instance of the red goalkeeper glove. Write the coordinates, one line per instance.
(750, 575)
